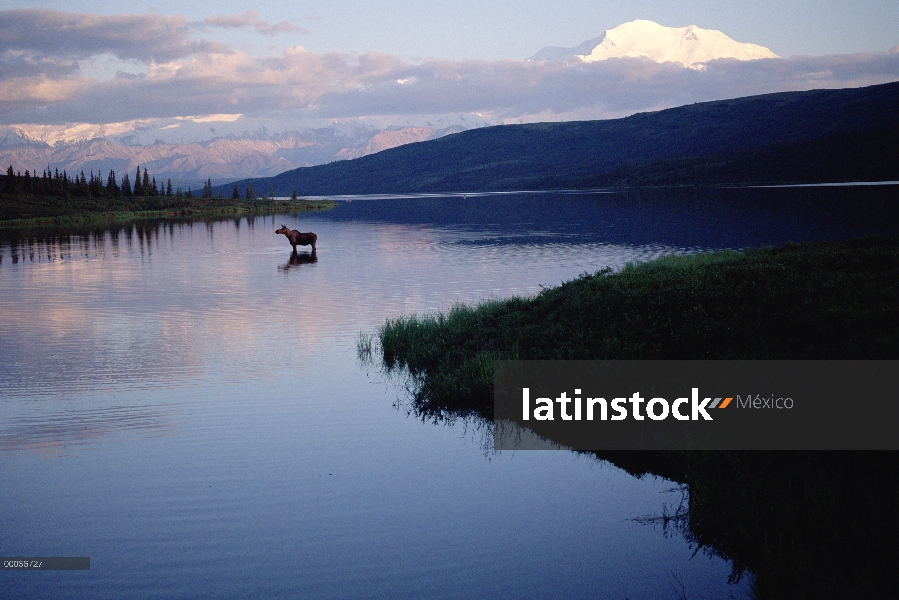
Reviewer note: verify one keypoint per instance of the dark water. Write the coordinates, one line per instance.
(183, 403)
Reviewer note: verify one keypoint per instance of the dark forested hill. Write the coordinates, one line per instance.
(791, 137)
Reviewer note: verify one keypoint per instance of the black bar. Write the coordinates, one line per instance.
(697, 405)
(46, 563)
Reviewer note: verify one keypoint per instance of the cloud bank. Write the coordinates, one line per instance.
(41, 81)
(250, 19)
(53, 34)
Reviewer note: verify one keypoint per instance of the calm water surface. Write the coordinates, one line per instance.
(183, 404)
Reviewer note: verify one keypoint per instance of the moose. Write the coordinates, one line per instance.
(298, 239)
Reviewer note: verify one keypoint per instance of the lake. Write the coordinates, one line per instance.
(183, 402)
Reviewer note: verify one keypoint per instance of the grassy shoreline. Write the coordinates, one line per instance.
(28, 212)
(809, 301)
(801, 524)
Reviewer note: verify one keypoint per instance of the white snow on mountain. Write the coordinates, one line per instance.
(255, 154)
(232, 146)
(690, 46)
(393, 137)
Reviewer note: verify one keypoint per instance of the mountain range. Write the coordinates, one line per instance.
(232, 157)
(791, 137)
(586, 151)
(690, 46)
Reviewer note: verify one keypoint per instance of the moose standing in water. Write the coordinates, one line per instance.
(298, 239)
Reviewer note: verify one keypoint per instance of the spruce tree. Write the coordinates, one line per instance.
(112, 189)
(96, 185)
(80, 188)
(138, 188)
(234, 195)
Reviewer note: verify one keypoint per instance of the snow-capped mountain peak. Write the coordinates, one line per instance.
(690, 46)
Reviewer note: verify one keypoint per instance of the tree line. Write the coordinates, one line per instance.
(62, 184)
(250, 193)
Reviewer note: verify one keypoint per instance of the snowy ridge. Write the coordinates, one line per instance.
(255, 154)
(689, 46)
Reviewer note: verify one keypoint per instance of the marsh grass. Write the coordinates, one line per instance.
(34, 212)
(804, 524)
(809, 301)
(423, 346)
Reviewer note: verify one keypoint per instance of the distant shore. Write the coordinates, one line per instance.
(28, 211)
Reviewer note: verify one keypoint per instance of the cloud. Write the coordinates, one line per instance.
(22, 93)
(40, 81)
(507, 91)
(248, 19)
(19, 64)
(349, 86)
(211, 118)
(52, 33)
(251, 19)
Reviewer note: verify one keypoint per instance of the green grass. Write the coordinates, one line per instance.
(28, 211)
(804, 524)
(810, 301)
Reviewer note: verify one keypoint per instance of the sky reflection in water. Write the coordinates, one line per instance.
(211, 429)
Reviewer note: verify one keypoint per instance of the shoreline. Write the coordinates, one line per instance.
(53, 212)
(801, 524)
(798, 301)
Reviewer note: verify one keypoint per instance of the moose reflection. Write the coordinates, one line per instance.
(297, 238)
(297, 259)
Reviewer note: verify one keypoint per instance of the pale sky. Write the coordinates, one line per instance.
(475, 29)
(404, 61)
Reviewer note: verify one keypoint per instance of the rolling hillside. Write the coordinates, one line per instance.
(792, 137)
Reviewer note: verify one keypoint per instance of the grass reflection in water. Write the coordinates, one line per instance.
(805, 524)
